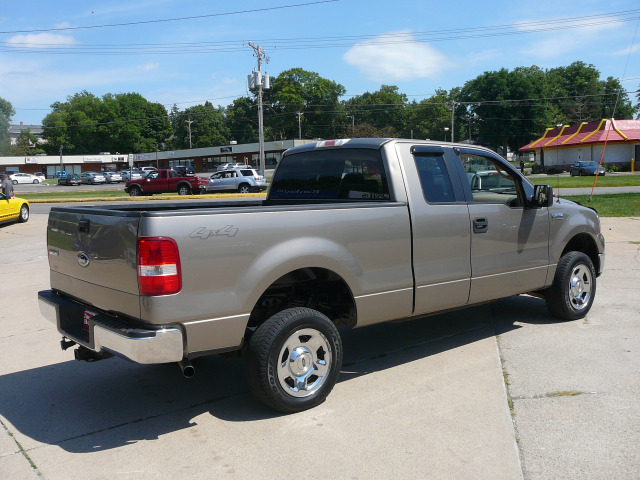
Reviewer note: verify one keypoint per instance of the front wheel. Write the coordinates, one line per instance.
(15, 182)
(36, 181)
(184, 190)
(574, 287)
(24, 213)
(294, 360)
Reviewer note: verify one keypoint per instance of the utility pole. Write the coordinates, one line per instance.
(299, 125)
(453, 109)
(189, 122)
(353, 124)
(258, 79)
(61, 162)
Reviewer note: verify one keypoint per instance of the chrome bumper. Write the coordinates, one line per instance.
(109, 333)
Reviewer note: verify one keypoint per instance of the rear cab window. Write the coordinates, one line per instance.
(345, 174)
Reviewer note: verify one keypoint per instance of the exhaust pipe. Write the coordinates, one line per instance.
(187, 369)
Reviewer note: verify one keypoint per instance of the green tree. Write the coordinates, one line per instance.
(26, 144)
(508, 107)
(586, 97)
(208, 127)
(241, 118)
(297, 90)
(429, 117)
(384, 110)
(124, 122)
(6, 114)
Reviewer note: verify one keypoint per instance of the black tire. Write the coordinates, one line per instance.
(15, 182)
(24, 213)
(134, 191)
(184, 190)
(574, 287)
(244, 188)
(292, 345)
(36, 181)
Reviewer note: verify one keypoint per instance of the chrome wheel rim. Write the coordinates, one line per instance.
(304, 362)
(134, 192)
(24, 212)
(183, 191)
(580, 284)
(244, 189)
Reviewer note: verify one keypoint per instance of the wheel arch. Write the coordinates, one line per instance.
(184, 183)
(318, 288)
(585, 243)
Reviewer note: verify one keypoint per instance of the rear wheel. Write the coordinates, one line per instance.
(244, 188)
(134, 191)
(574, 287)
(24, 213)
(184, 190)
(36, 181)
(294, 359)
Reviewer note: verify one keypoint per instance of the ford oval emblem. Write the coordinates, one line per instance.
(83, 259)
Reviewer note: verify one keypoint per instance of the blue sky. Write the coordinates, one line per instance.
(417, 45)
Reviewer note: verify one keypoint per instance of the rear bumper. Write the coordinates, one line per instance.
(109, 333)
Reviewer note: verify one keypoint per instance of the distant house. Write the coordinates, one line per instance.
(14, 131)
(564, 145)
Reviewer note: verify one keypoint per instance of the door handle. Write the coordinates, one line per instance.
(480, 225)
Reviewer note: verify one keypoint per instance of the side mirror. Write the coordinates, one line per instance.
(542, 196)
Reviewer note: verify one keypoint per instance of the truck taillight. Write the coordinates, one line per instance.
(158, 266)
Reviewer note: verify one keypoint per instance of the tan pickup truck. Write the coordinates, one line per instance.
(352, 233)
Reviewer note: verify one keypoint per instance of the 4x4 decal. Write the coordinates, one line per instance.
(203, 233)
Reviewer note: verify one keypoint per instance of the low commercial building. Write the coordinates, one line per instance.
(564, 145)
(201, 159)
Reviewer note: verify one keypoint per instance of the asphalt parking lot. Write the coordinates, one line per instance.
(500, 391)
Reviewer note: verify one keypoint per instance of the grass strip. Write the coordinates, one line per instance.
(610, 205)
(584, 182)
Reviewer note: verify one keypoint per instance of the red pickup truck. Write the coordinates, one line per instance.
(164, 181)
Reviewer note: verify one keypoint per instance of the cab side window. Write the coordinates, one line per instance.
(434, 178)
(490, 182)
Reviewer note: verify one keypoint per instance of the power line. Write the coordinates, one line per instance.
(165, 20)
(323, 42)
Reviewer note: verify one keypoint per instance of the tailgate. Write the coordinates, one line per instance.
(92, 256)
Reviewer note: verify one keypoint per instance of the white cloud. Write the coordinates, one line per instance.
(147, 67)
(559, 43)
(626, 51)
(41, 39)
(382, 61)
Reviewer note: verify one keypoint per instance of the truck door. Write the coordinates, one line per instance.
(440, 224)
(509, 240)
(152, 182)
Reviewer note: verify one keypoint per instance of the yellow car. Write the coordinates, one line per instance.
(12, 209)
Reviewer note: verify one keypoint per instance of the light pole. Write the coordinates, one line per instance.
(446, 129)
(157, 156)
(61, 162)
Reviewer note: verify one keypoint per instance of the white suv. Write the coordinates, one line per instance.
(243, 180)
